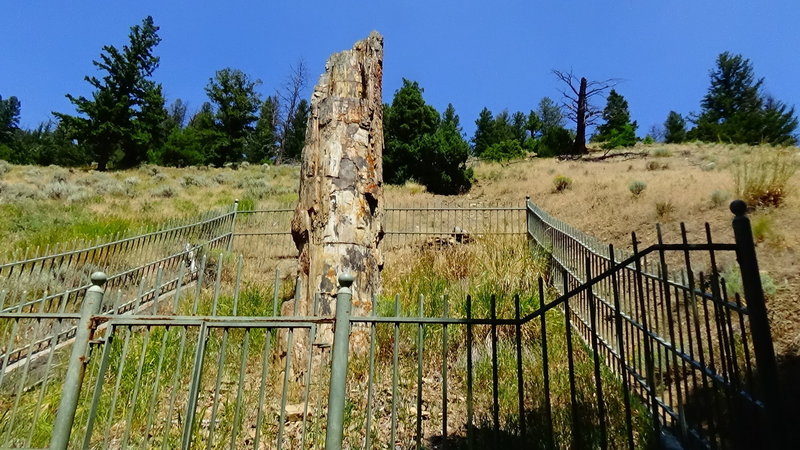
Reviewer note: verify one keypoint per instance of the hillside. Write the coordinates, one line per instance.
(690, 183)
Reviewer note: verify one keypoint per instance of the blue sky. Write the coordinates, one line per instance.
(473, 54)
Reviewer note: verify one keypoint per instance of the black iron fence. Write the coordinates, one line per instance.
(700, 355)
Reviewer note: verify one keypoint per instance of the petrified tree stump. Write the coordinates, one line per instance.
(338, 222)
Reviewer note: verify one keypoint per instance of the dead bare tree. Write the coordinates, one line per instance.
(577, 106)
(290, 96)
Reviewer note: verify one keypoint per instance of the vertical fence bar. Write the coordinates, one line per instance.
(234, 213)
(341, 343)
(73, 380)
(759, 322)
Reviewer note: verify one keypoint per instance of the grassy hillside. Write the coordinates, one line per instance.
(691, 183)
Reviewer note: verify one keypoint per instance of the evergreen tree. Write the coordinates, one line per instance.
(550, 114)
(404, 123)
(484, 132)
(236, 103)
(674, 128)
(125, 116)
(734, 110)
(451, 117)
(533, 124)
(263, 143)
(10, 109)
(618, 130)
(295, 138)
(519, 126)
(442, 157)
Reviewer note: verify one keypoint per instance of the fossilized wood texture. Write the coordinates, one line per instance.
(338, 223)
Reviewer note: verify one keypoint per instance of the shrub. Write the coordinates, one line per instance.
(163, 191)
(762, 228)
(664, 209)
(732, 278)
(222, 178)
(762, 178)
(132, 181)
(414, 188)
(5, 167)
(555, 141)
(504, 151)
(655, 165)
(648, 140)
(637, 187)
(194, 180)
(561, 183)
(59, 190)
(624, 136)
(720, 198)
(661, 152)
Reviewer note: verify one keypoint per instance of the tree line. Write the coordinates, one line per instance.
(125, 122)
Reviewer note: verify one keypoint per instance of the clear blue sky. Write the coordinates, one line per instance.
(497, 54)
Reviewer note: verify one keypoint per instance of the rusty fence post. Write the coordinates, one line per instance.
(78, 360)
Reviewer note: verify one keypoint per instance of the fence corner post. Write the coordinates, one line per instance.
(341, 346)
(62, 427)
(233, 223)
(759, 321)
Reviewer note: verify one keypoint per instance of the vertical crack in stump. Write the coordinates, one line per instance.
(338, 223)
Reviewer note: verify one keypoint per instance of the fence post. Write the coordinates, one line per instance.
(759, 322)
(341, 347)
(233, 223)
(65, 416)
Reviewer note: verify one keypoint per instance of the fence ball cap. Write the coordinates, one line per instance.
(738, 207)
(346, 279)
(99, 278)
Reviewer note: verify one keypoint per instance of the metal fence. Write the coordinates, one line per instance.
(699, 354)
(613, 360)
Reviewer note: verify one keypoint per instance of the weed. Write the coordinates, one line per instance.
(414, 188)
(762, 178)
(561, 183)
(664, 209)
(5, 167)
(637, 187)
(732, 277)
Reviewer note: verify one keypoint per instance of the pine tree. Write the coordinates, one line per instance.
(236, 103)
(674, 128)
(734, 110)
(404, 123)
(124, 118)
(484, 132)
(263, 143)
(295, 138)
(617, 130)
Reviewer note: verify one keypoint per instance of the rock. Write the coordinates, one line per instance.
(338, 223)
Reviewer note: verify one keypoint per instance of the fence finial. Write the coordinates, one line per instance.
(99, 278)
(738, 207)
(346, 280)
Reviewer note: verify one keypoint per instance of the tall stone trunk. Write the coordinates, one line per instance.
(338, 223)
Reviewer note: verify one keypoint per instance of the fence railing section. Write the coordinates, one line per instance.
(267, 232)
(680, 339)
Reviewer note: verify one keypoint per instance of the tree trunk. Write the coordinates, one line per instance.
(338, 223)
(579, 146)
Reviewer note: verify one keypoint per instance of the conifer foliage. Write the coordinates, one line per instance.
(123, 118)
